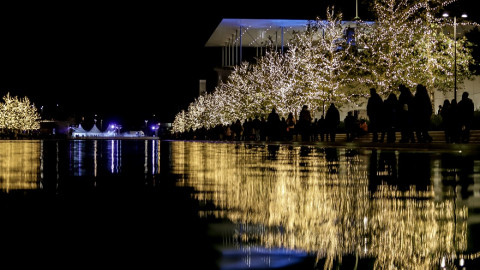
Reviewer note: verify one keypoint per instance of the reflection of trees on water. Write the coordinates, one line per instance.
(19, 164)
(457, 172)
(333, 202)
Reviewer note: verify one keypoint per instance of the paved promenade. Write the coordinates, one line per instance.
(365, 141)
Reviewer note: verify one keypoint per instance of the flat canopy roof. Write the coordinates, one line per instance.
(255, 32)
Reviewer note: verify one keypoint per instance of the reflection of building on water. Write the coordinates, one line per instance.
(19, 164)
(321, 202)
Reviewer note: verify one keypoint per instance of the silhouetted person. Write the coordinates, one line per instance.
(405, 118)
(321, 127)
(465, 113)
(454, 126)
(273, 123)
(390, 116)
(374, 112)
(350, 126)
(445, 113)
(263, 129)
(290, 126)
(237, 129)
(248, 130)
(304, 123)
(332, 120)
(257, 125)
(283, 129)
(422, 111)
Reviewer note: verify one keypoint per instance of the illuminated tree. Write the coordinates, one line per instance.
(327, 63)
(406, 45)
(324, 54)
(18, 114)
(179, 123)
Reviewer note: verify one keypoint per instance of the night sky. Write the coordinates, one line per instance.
(126, 61)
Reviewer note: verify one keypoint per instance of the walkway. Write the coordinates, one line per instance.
(365, 141)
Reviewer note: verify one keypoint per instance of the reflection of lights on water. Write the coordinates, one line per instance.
(302, 202)
(20, 164)
(145, 162)
(112, 156)
(95, 158)
(78, 150)
(365, 249)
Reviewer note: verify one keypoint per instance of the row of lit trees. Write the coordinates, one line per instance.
(18, 114)
(404, 45)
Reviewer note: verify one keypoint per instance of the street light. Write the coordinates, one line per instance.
(464, 15)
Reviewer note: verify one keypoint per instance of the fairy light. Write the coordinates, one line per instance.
(405, 45)
(18, 114)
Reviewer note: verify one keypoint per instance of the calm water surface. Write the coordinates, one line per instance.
(242, 206)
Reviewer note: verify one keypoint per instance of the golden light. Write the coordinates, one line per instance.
(19, 164)
(318, 200)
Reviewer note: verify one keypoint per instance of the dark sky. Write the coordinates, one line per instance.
(124, 60)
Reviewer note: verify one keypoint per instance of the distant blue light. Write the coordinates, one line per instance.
(278, 257)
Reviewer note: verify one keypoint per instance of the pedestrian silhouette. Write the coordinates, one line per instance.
(447, 120)
(350, 126)
(332, 120)
(405, 117)
(374, 113)
(290, 126)
(465, 113)
(304, 123)
(422, 112)
(390, 115)
(273, 125)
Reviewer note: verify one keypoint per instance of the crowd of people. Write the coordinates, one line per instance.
(408, 114)
(275, 128)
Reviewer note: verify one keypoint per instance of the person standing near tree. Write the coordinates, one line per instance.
(290, 126)
(390, 107)
(446, 115)
(273, 123)
(350, 126)
(332, 120)
(405, 121)
(466, 112)
(422, 112)
(304, 123)
(374, 113)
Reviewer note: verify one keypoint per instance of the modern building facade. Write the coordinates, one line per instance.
(241, 40)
